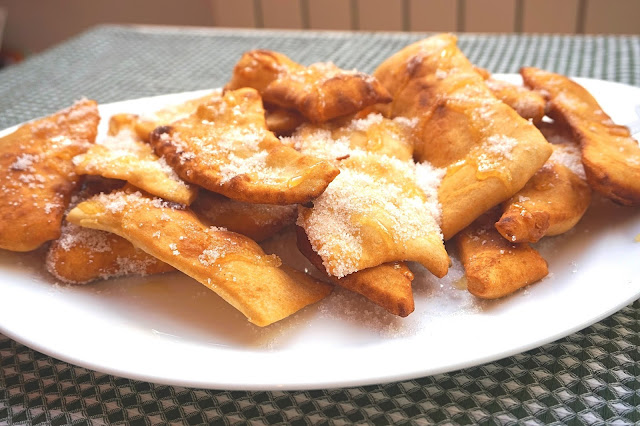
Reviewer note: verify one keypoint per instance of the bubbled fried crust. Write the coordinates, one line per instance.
(387, 285)
(226, 148)
(37, 175)
(611, 157)
(319, 92)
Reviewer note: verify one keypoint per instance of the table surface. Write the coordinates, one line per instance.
(590, 377)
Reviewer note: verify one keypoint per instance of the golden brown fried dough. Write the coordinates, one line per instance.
(490, 152)
(376, 211)
(145, 124)
(527, 103)
(282, 121)
(484, 73)
(256, 221)
(37, 176)
(495, 267)
(551, 203)
(230, 264)
(225, 147)
(372, 133)
(557, 133)
(611, 157)
(259, 68)
(82, 255)
(319, 92)
(123, 155)
(387, 285)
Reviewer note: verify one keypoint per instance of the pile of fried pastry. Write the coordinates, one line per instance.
(373, 171)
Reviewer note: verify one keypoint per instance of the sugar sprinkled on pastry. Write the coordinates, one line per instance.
(226, 147)
(37, 175)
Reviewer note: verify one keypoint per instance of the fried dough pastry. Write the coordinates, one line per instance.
(551, 203)
(495, 267)
(146, 123)
(378, 210)
(123, 155)
(490, 152)
(611, 157)
(225, 147)
(37, 176)
(230, 264)
(527, 103)
(372, 133)
(484, 73)
(282, 121)
(320, 92)
(387, 285)
(256, 221)
(82, 255)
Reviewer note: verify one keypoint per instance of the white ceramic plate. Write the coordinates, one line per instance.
(169, 329)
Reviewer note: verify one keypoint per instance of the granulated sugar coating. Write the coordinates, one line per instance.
(104, 256)
(320, 144)
(74, 235)
(125, 156)
(569, 156)
(125, 146)
(495, 150)
(373, 134)
(118, 201)
(358, 194)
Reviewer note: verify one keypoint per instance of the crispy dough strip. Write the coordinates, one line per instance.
(371, 133)
(527, 103)
(145, 124)
(490, 152)
(123, 155)
(82, 255)
(551, 203)
(256, 221)
(37, 176)
(611, 157)
(320, 92)
(282, 121)
(225, 147)
(230, 264)
(387, 285)
(495, 267)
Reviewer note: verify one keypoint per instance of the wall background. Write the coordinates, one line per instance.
(34, 25)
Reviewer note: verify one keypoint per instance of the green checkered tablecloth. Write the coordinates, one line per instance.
(590, 377)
